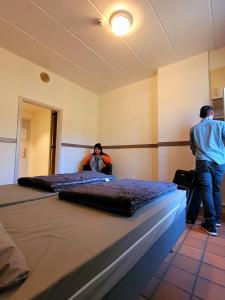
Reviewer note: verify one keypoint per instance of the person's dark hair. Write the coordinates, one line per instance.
(99, 146)
(205, 111)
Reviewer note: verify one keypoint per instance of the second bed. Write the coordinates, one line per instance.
(78, 252)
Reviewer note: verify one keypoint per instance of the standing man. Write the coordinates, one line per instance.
(206, 142)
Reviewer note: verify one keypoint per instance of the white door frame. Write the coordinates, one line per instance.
(58, 135)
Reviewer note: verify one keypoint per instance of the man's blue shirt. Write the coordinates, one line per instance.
(206, 140)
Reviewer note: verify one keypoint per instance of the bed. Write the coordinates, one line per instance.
(12, 194)
(79, 252)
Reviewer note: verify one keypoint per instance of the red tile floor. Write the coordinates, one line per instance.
(194, 269)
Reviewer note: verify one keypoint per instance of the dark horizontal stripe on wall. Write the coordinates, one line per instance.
(160, 144)
(131, 146)
(76, 145)
(7, 140)
(178, 143)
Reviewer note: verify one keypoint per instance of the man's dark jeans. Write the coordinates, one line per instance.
(210, 177)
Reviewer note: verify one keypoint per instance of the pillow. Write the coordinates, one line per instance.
(13, 267)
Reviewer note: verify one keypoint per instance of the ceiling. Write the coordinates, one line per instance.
(63, 36)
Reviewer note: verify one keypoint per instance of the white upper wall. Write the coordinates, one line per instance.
(128, 115)
(217, 58)
(183, 88)
(20, 77)
(217, 72)
(217, 82)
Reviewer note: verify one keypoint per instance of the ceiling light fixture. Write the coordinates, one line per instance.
(121, 22)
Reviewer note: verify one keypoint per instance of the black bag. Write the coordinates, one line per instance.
(187, 180)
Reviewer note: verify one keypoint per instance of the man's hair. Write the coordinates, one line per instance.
(205, 111)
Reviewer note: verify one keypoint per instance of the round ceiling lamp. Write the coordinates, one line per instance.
(121, 22)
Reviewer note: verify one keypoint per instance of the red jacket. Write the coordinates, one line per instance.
(105, 157)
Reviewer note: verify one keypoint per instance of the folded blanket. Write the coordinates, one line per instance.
(55, 183)
(13, 267)
(122, 196)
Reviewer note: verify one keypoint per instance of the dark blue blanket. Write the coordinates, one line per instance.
(58, 182)
(122, 196)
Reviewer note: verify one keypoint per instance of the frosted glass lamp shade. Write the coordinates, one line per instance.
(120, 22)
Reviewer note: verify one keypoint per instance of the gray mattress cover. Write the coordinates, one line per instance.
(11, 194)
(75, 251)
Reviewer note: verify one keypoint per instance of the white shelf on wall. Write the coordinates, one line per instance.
(219, 118)
(218, 107)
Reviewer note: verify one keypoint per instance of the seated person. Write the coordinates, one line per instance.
(98, 161)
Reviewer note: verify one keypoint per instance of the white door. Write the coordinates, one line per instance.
(24, 148)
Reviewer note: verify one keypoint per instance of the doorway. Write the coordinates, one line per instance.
(24, 147)
(53, 142)
(37, 139)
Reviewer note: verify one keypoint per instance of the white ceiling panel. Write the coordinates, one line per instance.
(21, 44)
(80, 17)
(148, 37)
(63, 36)
(218, 9)
(47, 31)
(188, 24)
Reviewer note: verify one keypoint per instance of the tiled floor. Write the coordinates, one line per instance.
(195, 269)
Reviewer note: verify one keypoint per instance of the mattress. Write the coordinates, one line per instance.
(11, 194)
(77, 252)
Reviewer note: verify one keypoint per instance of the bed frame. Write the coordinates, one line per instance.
(135, 280)
(134, 283)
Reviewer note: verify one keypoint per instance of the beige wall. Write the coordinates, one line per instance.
(217, 72)
(173, 158)
(217, 81)
(183, 88)
(217, 58)
(128, 116)
(135, 163)
(72, 158)
(20, 77)
(158, 109)
(7, 162)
